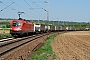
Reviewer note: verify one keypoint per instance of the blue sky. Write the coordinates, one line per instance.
(62, 10)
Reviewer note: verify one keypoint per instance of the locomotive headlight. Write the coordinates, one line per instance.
(20, 29)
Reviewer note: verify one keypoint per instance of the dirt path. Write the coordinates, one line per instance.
(72, 46)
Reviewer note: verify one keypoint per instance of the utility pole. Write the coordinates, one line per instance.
(58, 21)
(47, 11)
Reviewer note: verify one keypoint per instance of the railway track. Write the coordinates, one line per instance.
(2, 40)
(10, 44)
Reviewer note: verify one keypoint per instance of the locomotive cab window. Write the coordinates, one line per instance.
(17, 24)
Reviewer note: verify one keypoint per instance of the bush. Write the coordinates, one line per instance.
(5, 35)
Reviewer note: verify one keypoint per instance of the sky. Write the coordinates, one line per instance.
(58, 10)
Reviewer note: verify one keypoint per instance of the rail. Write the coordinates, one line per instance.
(15, 43)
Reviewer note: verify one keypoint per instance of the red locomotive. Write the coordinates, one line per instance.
(20, 27)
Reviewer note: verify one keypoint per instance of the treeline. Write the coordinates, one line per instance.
(5, 18)
(6, 24)
(64, 23)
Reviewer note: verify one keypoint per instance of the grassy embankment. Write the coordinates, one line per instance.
(3, 34)
(4, 28)
(45, 52)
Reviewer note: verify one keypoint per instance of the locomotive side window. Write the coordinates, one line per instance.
(17, 24)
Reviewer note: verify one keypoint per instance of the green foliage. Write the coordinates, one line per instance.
(5, 35)
(8, 25)
(46, 50)
(1, 36)
(5, 24)
(54, 23)
(4, 28)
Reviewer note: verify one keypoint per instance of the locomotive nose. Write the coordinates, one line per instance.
(17, 29)
(16, 26)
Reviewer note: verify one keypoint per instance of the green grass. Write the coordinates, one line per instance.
(5, 35)
(4, 28)
(46, 50)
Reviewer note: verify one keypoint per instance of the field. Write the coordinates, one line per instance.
(4, 31)
(72, 46)
(5, 20)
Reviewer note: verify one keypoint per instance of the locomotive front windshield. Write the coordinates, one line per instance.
(17, 24)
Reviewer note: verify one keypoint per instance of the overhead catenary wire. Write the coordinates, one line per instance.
(27, 3)
(13, 8)
(46, 10)
(34, 8)
(30, 6)
(17, 4)
(10, 7)
(23, 8)
(38, 5)
(41, 7)
(6, 6)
